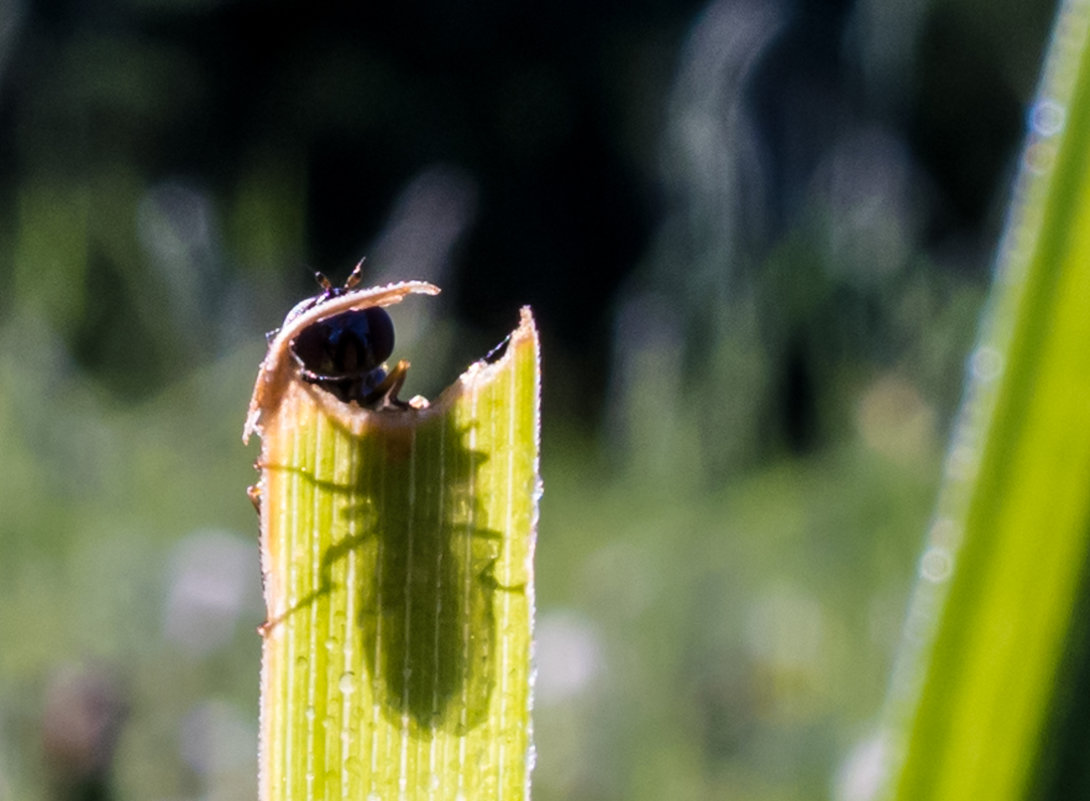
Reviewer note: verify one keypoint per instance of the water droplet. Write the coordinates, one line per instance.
(936, 564)
(347, 683)
(531, 759)
(373, 796)
(1046, 118)
(331, 644)
(310, 713)
(986, 363)
(301, 663)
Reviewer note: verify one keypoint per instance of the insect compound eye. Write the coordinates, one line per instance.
(347, 345)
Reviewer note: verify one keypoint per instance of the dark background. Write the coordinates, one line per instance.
(755, 235)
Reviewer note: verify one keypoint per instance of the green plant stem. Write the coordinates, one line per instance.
(1003, 571)
(397, 554)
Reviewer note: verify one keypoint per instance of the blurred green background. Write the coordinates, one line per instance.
(756, 235)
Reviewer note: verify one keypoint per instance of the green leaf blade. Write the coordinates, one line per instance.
(971, 704)
(398, 556)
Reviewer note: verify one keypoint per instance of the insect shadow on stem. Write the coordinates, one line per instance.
(425, 607)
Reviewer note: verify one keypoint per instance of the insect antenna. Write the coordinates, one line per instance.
(355, 276)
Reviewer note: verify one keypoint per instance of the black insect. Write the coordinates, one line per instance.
(345, 354)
